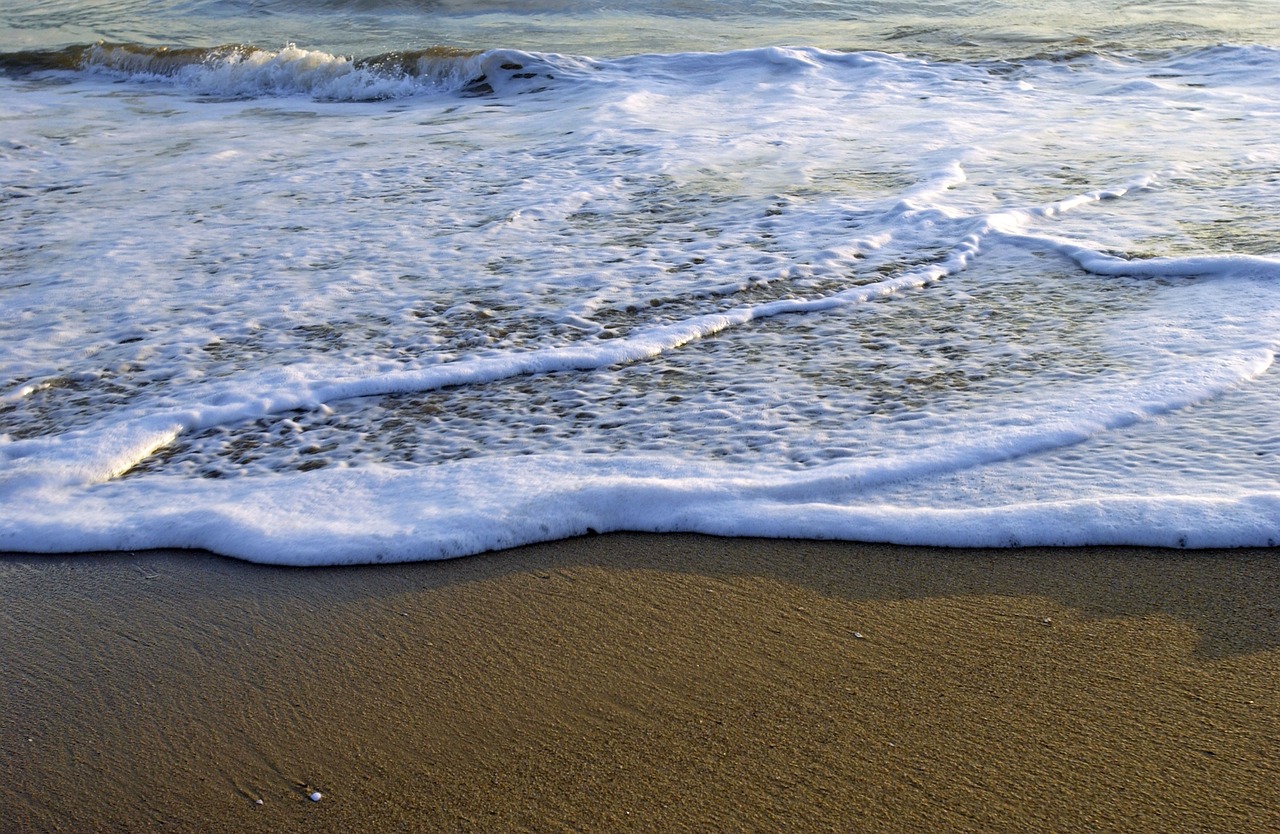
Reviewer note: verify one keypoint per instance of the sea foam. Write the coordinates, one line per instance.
(432, 304)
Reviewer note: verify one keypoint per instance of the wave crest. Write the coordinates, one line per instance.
(241, 71)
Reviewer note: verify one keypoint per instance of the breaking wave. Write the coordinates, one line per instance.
(241, 71)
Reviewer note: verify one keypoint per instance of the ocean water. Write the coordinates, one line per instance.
(335, 281)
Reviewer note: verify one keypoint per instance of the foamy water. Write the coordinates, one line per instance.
(433, 296)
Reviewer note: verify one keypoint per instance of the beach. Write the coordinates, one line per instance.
(646, 683)
(473, 416)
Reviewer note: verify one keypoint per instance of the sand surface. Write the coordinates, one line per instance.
(645, 683)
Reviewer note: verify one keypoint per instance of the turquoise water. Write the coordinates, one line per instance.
(942, 29)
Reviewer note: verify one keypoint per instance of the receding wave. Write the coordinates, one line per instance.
(242, 71)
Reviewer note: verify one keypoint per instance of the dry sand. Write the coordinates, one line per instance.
(647, 683)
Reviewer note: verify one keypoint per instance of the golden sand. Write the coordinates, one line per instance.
(645, 683)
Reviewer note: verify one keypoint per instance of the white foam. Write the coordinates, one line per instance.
(379, 515)
(330, 330)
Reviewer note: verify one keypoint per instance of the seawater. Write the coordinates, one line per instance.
(334, 281)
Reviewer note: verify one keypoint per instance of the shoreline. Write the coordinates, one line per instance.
(646, 682)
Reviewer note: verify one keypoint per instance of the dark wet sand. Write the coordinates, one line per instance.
(647, 683)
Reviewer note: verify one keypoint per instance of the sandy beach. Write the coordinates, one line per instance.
(646, 683)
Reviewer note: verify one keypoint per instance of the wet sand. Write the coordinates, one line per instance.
(646, 683)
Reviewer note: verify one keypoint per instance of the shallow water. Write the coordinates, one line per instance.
(441, 278)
